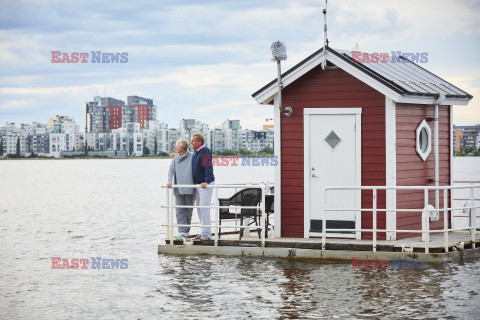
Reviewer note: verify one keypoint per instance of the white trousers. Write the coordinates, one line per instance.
(203, 197)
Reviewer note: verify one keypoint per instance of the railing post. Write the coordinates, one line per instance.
(216, 215)
(445, 219)
(473, 216)
(236, 211)
(167, 194)
(171, 215)
(426, 220)
(262, 208)
(374, 220)
(324, 221)
(246, 231)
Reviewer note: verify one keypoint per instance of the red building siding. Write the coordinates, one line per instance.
(330, 89)
(142, 114)
(115, 116)
(412, 170)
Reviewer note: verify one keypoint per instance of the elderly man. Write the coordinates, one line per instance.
(202, 170)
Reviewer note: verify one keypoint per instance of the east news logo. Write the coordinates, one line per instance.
(92, 263)
(96, 57)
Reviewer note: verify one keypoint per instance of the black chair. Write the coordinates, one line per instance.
(269, 205)
(250, 197)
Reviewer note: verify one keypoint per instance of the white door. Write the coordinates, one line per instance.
(333, 159)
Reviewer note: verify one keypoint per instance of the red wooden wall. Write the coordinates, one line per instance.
(412, 170)
(330, 89)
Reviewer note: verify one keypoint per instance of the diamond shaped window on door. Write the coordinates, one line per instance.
(333, 140)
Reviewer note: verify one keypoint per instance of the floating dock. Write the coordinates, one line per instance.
(460, 246)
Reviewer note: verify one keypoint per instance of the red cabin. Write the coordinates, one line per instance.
(359, 124)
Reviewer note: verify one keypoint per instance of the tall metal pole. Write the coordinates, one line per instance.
(279, 52)
(279, 84)
(436, 161)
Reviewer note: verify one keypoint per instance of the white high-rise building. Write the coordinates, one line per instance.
(128, 138)
(64, 135)
(162, 138)
(173, 136)
(188, 127)
(153, 134)
(233, 135)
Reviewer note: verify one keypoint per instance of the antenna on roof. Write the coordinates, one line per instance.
(325, 37)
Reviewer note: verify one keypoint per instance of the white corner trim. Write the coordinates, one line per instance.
(451, 159)
(391, 165)
(358, 169)
(277, 149)
(306, 173)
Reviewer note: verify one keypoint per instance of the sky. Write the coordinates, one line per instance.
(203, 59)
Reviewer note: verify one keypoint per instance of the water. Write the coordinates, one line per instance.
(110, 209)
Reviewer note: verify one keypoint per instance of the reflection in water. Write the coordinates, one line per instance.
(191, 282)
(298, 291)
(239, 288)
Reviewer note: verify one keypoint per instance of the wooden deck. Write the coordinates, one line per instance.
(336, 249)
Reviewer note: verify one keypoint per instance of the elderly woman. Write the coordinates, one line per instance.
(181, 173)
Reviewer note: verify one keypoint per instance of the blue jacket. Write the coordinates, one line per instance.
(202, 168)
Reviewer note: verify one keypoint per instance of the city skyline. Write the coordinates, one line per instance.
(121, 131)
(267, 122)
(205, 60)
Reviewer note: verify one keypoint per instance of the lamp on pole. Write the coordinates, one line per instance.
(279, 53)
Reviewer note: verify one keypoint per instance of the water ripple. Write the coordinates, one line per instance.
(106, 214)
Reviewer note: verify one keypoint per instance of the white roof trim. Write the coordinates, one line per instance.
(266, 96)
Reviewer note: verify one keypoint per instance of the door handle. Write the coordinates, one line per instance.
(314, 176)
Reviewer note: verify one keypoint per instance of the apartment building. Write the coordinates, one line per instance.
(64, 135)
(466, 137)
(30, 138)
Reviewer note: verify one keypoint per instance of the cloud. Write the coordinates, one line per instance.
(470, 114)
(207, 59)
(14, 105)
(213, 108)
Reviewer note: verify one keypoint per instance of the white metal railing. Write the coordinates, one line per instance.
(171, 206)
(425, 213)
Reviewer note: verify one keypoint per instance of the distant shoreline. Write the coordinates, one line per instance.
(124, 158)
(86, 158)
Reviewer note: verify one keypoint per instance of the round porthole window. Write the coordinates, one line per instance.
(424, 138)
